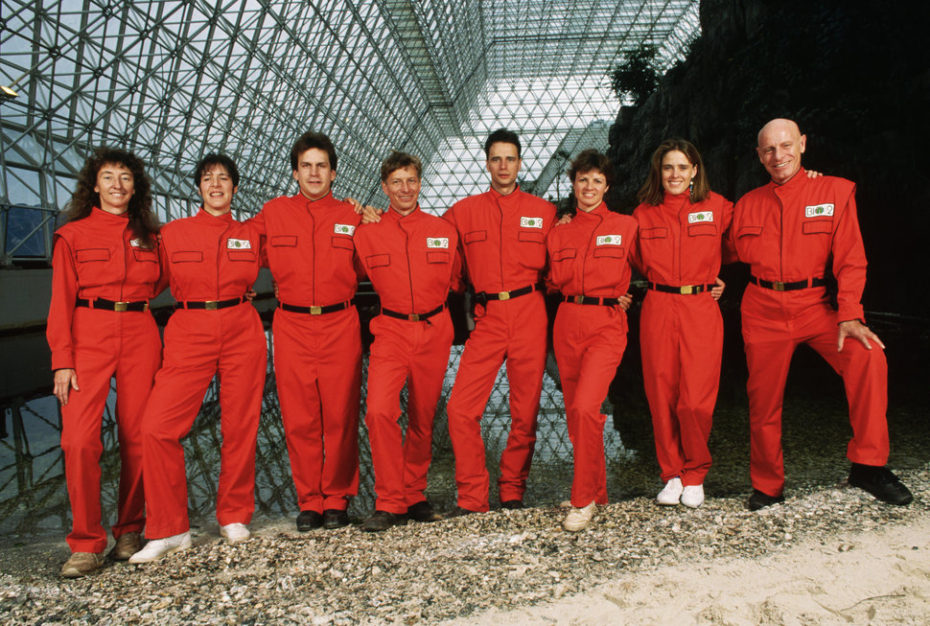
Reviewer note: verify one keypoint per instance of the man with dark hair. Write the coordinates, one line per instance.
(412, 260)
(307, 243)
(502, 239)
(791, 232)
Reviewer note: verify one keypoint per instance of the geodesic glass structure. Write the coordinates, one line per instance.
(173, 80)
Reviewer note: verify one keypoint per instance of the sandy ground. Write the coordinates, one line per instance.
(875, 577)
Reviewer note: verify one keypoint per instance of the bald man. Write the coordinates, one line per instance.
(791, 232)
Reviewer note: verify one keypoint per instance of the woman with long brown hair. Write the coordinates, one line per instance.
(106, 267)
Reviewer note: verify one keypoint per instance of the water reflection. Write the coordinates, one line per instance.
(33, 497)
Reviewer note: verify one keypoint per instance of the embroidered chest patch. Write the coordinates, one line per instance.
(609, 240)
(437, 242)
(701, 216)
(531, 222)
(238, 244)
(344, 229)
(819, 210)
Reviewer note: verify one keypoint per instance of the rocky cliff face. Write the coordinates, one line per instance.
(856, 77)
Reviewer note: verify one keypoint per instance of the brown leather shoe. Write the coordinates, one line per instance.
(127, 545)
(81, 564)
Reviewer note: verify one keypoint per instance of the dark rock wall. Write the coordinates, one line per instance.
(856, 77)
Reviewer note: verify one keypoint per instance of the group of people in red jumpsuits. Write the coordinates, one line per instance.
(111, 258)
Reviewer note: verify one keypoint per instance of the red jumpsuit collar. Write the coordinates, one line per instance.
(497, 195)
(599, 210)
(203, 215)
(312, 203)
(392, 213)
(795, 181)
(676, 201)
(106, 215)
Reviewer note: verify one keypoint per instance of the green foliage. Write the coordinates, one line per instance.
(637, 76)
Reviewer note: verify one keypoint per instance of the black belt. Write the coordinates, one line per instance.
(780, 286)
(413, 317)
(482, 297)
(685, 290)
(210, 305)
(591, 300)
(112, 305)
(317, 310)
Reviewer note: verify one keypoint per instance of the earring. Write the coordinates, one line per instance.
(691, 188)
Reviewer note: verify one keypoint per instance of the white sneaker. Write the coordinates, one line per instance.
(693, 496)
(578, 519)
(235, 532)
(671, 493)
(157, 548)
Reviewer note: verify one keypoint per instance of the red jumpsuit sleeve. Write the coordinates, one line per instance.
(849, 262)
(165, 277)
(258, 223)
(728, 253)
(461, 275)
(456, 282)
(61, 308)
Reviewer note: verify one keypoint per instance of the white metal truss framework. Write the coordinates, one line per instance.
(173, 80)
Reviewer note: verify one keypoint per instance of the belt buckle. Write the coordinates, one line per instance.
(503, 295)
(316, 310)
(687, 290)
(210, 305)
(777, 285)
(121, 306)
(413, 317)
(578, 300)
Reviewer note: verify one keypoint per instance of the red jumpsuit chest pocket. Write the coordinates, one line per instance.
(378, 260)
(814, 227)
(145, 255)
(187, 256)
(531, 236)
(749, 231)
(565, 254)
(343, 243)
(701, 230)
(283, 241)
(660, 232)
(89, 255)
(437, 257)
(241, 255)
(475, 236)
(613, 252)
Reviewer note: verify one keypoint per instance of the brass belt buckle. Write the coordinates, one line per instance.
(316, 310)
(503, 295)
(210, 305)
(121, 306)
(579, 300)
(778, 285)
(414, 317)
(686, 290)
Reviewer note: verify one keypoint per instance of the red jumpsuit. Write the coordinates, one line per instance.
(590, 257)
(681, 334)
(503, 243)
(412, 262)
(789, 233)
(209, 259)
(99, 257)
(318, 349)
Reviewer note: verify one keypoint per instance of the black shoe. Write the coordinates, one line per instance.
(881, 483)
(513, 505)
(382, 520)
(308, 520)
(759, 500)
(458, 512)
(335, 518)
(423, 512)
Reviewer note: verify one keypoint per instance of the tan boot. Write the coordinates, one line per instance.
(81, 564)
(127, 545)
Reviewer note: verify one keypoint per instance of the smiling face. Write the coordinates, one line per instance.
(781, 145)
(217, 190)
(115, 187)
(402, 187)
(677, 172)
(590, 187)
(503, 164)
(314, 173)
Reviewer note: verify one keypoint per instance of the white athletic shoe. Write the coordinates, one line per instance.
(235, 532)
(693, 496)
(671, 493)
(157, 548)
(578, 519)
